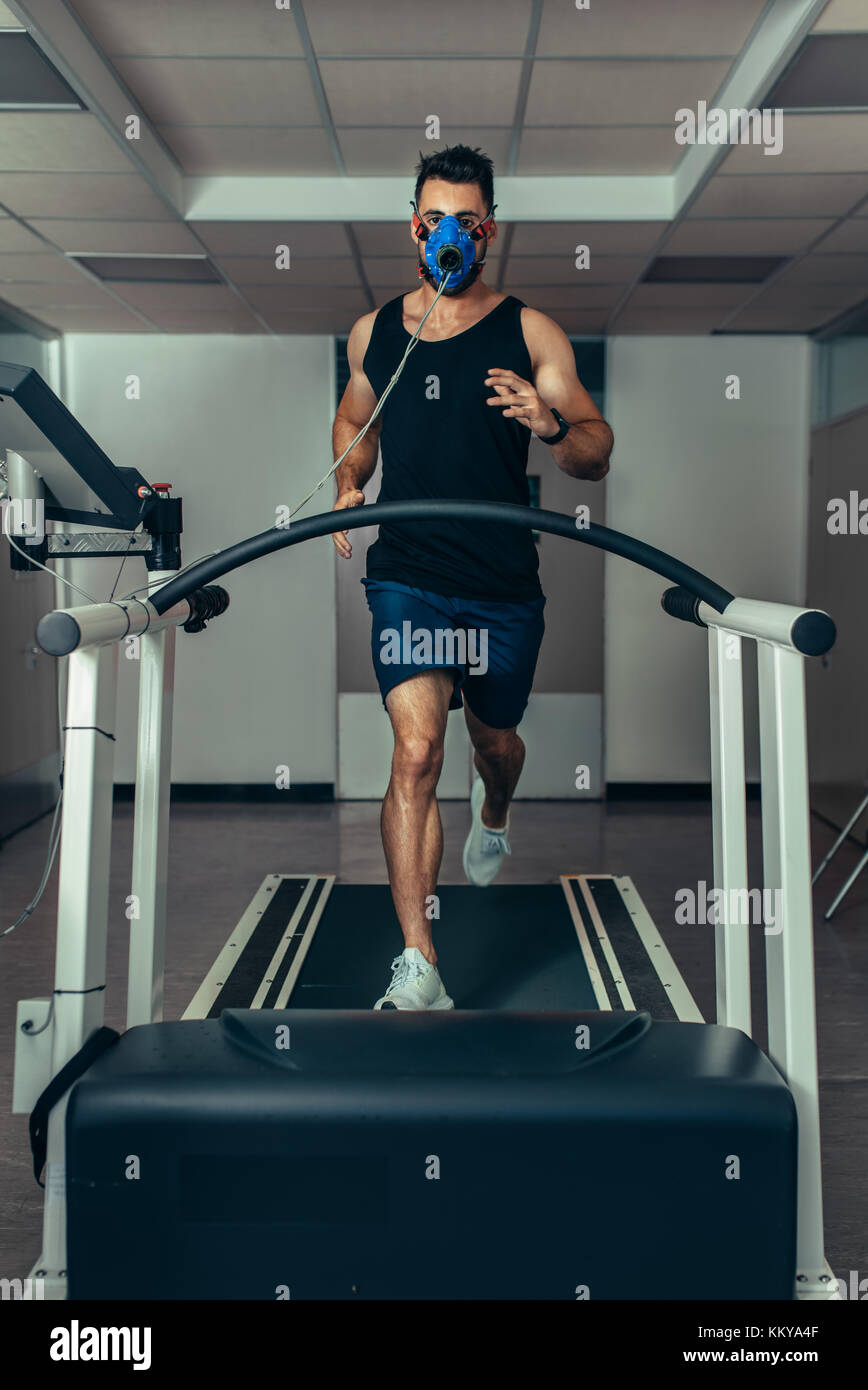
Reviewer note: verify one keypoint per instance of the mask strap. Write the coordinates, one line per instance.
(419, 228)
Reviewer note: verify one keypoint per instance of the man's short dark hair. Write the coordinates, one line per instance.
(457, 164)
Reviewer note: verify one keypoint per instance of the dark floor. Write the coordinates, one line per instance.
(220, 854)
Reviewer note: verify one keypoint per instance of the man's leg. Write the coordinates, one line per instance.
(410, 817)
(498, 756)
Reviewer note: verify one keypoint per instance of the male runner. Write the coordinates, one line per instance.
(486, 373)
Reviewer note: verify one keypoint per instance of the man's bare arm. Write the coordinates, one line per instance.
(355, 410)
(585, 449)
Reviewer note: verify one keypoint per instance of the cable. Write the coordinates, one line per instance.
(54, 838)
(380, 403)
(54, 833)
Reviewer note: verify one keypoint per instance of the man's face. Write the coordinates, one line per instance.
(464, 202)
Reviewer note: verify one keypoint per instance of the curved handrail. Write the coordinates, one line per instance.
(511, 513)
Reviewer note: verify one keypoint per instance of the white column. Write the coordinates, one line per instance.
(82, 913)
(731, 939)
(156, 658)
(792, 1021)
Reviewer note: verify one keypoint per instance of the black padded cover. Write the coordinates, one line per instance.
(314, 1154)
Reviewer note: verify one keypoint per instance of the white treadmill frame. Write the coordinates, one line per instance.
(80, 971)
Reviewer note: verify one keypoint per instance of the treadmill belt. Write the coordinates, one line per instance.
(502, 947)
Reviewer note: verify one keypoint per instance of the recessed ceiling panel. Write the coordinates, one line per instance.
(160, 270)
(712, 269)
(830, 70)
(28, 79)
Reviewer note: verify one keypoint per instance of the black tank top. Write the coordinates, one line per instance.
(440, 439)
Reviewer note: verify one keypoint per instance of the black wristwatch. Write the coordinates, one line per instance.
(555, 438)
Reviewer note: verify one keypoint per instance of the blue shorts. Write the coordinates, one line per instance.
(492, 647)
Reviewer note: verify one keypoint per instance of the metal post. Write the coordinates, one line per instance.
(729, 825)
(82, 914)
(792, 1021)
(156, 655)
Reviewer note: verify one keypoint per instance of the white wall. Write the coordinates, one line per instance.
(720, 484)
(239, 425)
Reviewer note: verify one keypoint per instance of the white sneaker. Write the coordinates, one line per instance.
(484, 850)
(416, 984)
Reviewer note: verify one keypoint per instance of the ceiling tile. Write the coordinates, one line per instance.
(289, 299)
(689, 296)
(115, 319)
(830, 270)
(384, 238)
(852, 235)
(151, 298)
(378, 150)
(261, 270)
(598, 150)
(222, 322)
(84, 294)
(372, 92)
(316, 239)
(221, 91)
(700, 27)
(787, 195)
(771, 319)
(81, 195)
(667, 321)
(39, 269)
(205, 28)
(745, 237)
(843, 15)
(561, 238)
(619, 93)
(249, 150)
(566, 297)
(79, 236)
(311, 322)
(812, 144)
(14, 237)
(559, 270)
(69, 140)
(787, 294)
(394, 27)
(581, 324)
